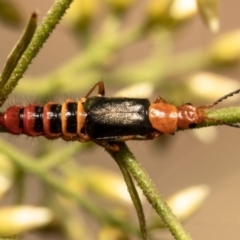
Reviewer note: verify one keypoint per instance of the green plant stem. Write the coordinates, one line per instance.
(135, 198)
(29, 165)
(42, 33)
(151, 192)
(226, 115)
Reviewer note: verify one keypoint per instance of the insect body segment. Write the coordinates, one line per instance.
(52, 120)
(167, 118)
(112, 118)
(190, 116)
(163, 116)
(104, 120)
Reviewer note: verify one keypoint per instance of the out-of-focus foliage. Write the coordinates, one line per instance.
(226, 49)
(103, 35)
(184, 203)
(170, 13)
(19, 219)
(209, 12)
(10, 13)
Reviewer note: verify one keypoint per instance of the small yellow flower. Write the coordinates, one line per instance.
(184, 203)
(81, 13)
(226, 49)
(137, 90)
(108, 233)
(211, 86)
(109, 184)
(19, 219)
(120, 6)
(209, 12)
(170, 12)
(7, 172)
(5, 185)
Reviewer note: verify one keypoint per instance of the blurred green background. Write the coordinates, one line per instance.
(174, 162)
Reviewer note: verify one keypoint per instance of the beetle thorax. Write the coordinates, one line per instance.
(189, 116)
(163, 117)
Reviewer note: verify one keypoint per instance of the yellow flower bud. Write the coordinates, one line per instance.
(205, 135)
(6, 174)
(6, 167)
(137, 90)
(81, 13)
(209, 12)
(182, 10)
(184, 203)
(109, 184)
(211, 86)
(108, 232)
(5, 185)
(19, 219)
(226, 49)
(120, 6)
(170, 12)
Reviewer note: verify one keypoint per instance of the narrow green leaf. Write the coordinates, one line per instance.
(151, 192)
(19, 49)
(135, 198)
(41, 35)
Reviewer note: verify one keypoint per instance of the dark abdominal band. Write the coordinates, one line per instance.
(71, 117)
(53, 117)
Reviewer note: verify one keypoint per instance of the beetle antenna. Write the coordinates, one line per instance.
(223, 98)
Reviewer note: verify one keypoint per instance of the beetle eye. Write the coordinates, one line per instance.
(192, 125)
(188, 104)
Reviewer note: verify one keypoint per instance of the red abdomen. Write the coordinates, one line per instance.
(52, 120)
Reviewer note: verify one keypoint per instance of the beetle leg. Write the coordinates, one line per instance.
(160, 100)
(81, 116)
(154, 135)
(101, 89)
(112, 146)
(132, 137)
(149, 136)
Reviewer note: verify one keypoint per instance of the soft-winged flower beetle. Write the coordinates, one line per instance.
(105, 120)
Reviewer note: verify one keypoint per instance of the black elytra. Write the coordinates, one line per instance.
(112, 118)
